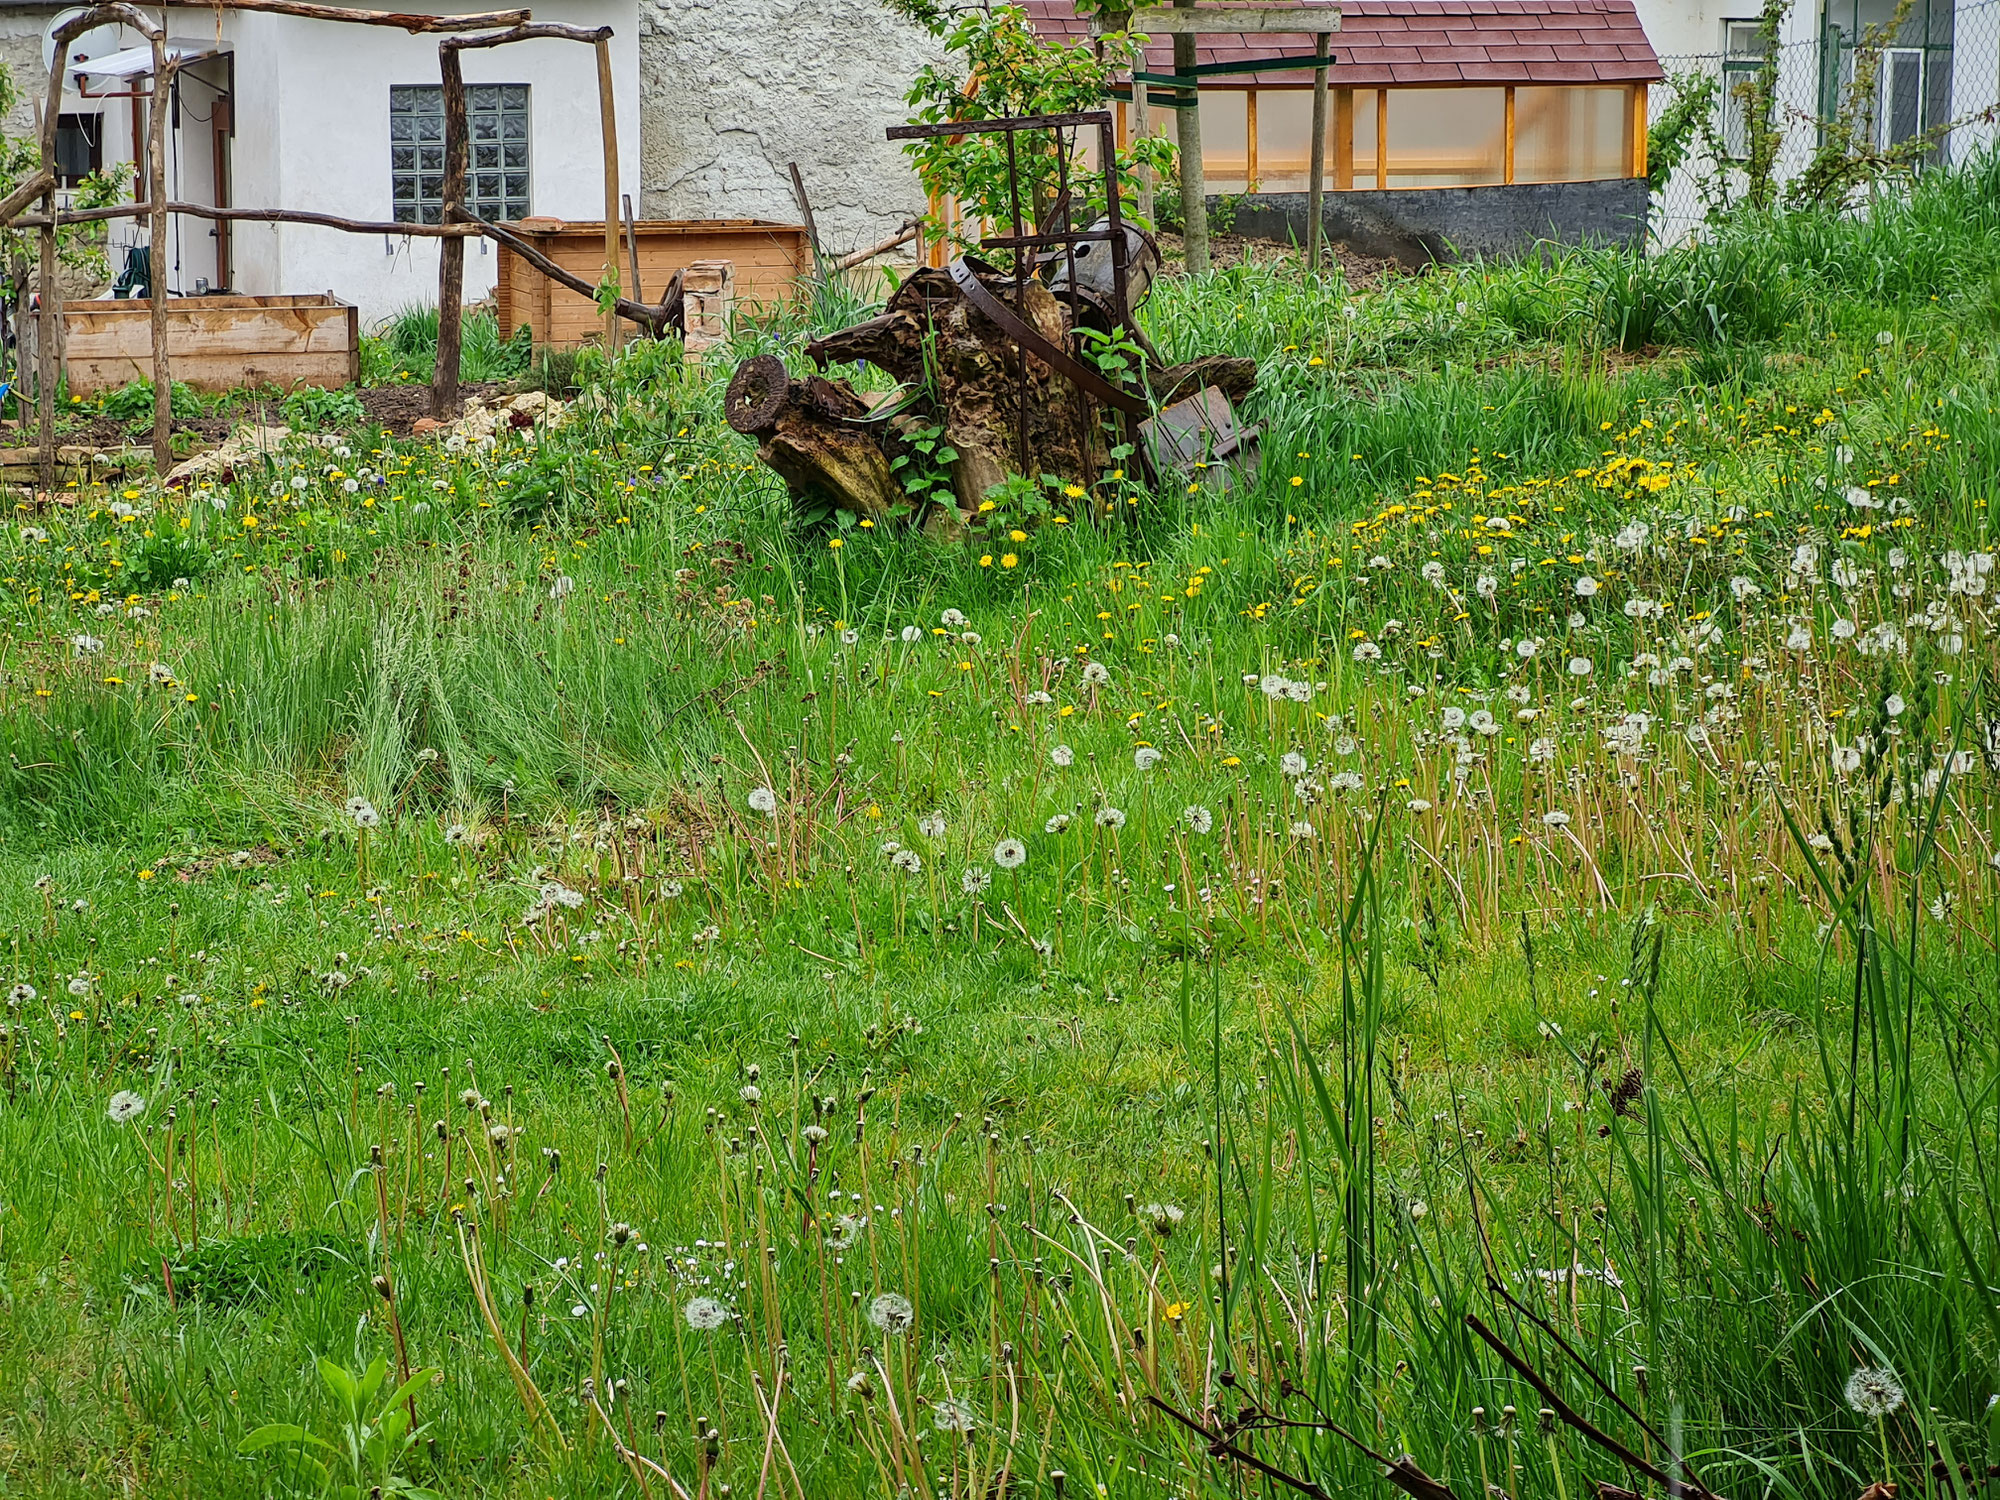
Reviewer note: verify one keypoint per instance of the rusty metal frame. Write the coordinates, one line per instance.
(1065, 239)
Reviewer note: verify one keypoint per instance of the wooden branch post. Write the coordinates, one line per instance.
(608, 113)
(159, 115)
(48, 326)
(1194, 185)
(1316, 188)
(451, 254)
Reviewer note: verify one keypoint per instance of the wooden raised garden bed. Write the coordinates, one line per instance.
(214, 343)
(769, 259)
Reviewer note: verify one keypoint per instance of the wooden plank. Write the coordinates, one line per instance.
(1507, 139)
(219, 373)
(1203, 20)
(240, 333)
(1382, 138)
(1250, 139)
(1343, 139)
(1636, 136)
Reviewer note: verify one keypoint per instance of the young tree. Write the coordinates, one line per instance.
(997, 66)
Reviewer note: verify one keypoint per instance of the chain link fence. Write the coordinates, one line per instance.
(1935, 78)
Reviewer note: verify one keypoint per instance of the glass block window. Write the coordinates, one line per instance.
(496, 179)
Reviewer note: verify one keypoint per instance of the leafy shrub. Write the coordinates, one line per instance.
(133, 402)
(318, 410)
(248, 1268)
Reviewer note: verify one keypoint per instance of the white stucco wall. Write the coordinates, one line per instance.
(735, 90)
(318, 94)
(311, 104)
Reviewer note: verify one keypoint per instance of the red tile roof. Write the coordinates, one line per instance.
(1427, 42)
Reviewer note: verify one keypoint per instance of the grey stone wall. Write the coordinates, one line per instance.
(1417, 226)
(733, 90)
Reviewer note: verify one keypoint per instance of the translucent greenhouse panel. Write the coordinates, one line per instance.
(1225, 140)
(1566, 134)
(1284, 140)
(1364, 139)
(1445, 137)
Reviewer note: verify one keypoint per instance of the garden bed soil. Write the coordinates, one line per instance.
(1362, 272)
(398, 408)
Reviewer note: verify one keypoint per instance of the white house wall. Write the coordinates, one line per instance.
(329, 87)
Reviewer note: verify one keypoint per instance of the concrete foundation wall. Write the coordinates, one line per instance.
(1417, 226)
(735, 90)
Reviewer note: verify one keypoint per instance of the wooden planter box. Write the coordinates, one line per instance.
(768, 258)
(214, 343)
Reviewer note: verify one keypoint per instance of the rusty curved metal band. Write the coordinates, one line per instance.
(1061, 361)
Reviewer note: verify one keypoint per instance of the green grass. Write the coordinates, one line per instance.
(1645, 976)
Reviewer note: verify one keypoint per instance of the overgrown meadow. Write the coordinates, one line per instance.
(534, 972)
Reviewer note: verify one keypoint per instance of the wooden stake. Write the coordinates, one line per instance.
(805, 209)
(608, 116)
(632, 248)
(158, 114)
(1316, 188)
(451, 254)
(1507, 139)
(1194, 185)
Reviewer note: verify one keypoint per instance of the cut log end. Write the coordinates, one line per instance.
(757, 394)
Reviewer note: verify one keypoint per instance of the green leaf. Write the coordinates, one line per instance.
(338, 1381)
(270, 1435)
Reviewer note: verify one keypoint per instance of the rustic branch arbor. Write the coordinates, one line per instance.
(461, 33)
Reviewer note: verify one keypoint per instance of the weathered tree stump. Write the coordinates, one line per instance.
(963, 374)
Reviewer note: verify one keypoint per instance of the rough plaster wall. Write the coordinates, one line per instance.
(21, 51)
(734, 90)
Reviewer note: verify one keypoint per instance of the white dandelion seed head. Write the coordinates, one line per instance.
(362, 811)
(705, 1314)
(1555, 819)
(1096, 673)
(1057, 823)
(952, 619)
(1010, 854)
(1293, 764)
(975, 880)
(952, 1415)
(1579, 666)
(892, 1313)
(931, 825)
(1062, 755)
(762, 799)
(1111, 818)
(1198, 818)
(908, 861)
(1146, 757)
(125, 1107)
(1586, 587)
(1873, 1393)
(912, 634)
